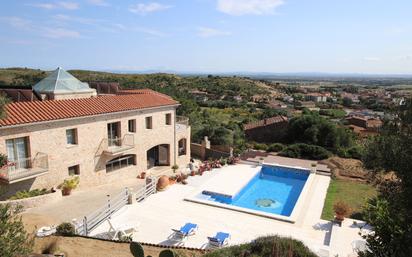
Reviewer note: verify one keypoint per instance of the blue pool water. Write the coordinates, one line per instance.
(274, 190)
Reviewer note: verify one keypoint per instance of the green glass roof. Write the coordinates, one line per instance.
(60, 81)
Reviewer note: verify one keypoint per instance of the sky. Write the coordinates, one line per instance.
(278, 36)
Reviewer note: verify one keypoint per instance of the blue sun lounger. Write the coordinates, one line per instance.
(221, 239)
(187, 230)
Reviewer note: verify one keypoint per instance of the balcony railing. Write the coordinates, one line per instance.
(25, 168)
(182, 123)
(119, 145)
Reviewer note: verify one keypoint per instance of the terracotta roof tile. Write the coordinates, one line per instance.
(38, 111)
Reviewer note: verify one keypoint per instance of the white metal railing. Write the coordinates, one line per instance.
(98, 216)
(118, 144)
(113, 204)
(25, 167)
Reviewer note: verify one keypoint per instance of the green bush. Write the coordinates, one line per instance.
(276, 147)
(136, 249)
(312, 152)
(266, 246)
(355, 152)
(66, 229)
(167, 253)
(26, 194)
(258, 146)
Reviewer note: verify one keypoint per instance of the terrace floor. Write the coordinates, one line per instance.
(156, 216)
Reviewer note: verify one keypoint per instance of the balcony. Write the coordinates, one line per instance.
(182, 123)
(115, 146)
(24, 169)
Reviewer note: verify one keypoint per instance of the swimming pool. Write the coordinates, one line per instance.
(273, 190)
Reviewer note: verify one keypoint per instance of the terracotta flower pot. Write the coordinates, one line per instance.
(192, 173)
(339, 217)
(66, 191)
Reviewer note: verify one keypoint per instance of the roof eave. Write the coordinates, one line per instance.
(86, 116)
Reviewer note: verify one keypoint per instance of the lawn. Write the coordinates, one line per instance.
(353, 193)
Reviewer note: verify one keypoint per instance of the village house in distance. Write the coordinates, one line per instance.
(70, 129)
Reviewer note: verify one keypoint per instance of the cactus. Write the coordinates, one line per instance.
(136, 249)
(166, 253)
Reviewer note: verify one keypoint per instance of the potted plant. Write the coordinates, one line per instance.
(175, 167)
(341, 209)
(223, 161)
(70, 184)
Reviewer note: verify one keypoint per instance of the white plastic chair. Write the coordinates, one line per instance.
(121, 231)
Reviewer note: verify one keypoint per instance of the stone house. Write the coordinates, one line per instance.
(102, 139)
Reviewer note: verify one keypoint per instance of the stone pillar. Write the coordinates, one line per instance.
(313, 167)
(205, 145)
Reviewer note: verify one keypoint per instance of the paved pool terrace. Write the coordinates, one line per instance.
(156, 216)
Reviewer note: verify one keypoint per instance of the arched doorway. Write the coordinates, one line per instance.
(158, 156)
(182, 146)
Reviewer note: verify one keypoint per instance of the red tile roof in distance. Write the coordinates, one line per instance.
(38, 111)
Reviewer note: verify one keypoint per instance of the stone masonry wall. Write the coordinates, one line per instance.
(50, 138)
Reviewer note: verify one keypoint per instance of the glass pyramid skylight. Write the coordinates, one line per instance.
(60, 81)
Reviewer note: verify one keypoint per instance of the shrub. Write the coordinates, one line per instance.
(223, 161)
(276, 147)
(66, 229)
(71, 183)
(355, 152)
(3, 160)
(312, 152)
(266, 246)
(26, 194)
(341, 208)
(167, 253)
(258, 146)
(14, 240)
(136, 249)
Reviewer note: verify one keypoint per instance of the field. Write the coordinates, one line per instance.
(355, 194)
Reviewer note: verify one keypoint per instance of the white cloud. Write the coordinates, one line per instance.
(57, 5)
(149, 31)
(372, 59)
(16, 22)
(69, 5)
(60, 33)
(143, 9)
(244, 7)
(99, 2)
(67, 18)
(211, 32)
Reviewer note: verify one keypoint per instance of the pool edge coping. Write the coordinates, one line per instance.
(296, 209)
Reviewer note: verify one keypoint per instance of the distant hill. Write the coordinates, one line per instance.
(171, 84)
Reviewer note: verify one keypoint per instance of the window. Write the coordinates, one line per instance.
(18, 152)
(132, 126)
(168, 119)
(120, 162)
(71, 136)
(149, 122)
(113, 134)
(74, 170)
(182, 146)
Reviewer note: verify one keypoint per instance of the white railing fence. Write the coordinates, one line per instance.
(114, 204)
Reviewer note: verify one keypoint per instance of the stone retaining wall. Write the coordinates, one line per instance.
(35, 201)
